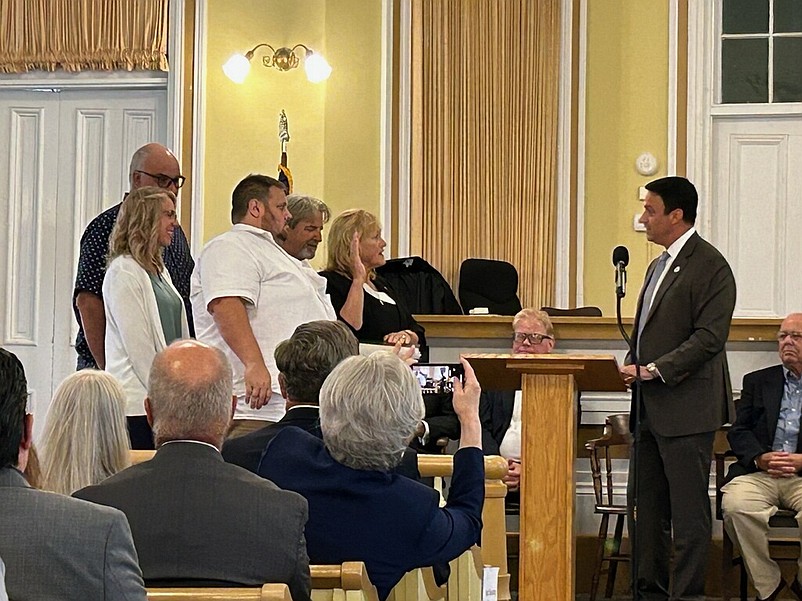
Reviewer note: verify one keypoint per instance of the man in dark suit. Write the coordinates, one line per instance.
(303, 360)
(681, 326)
(500, 411)
(197, 520)
(54, 547)
(765, 438)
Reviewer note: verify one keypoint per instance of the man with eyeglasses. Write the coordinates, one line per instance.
(765, 438)
(500, 411)
(151, 165)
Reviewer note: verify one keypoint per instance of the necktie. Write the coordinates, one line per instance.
(651, 286)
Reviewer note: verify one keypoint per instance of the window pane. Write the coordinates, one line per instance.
(745, 16)
(744, 70)
(787, 16)
(787, 69)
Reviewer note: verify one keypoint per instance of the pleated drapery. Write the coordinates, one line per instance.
(485, 86)
(77, 35)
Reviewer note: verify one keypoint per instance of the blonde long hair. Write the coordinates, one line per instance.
(85, 436)
(341, 231)
(136, 232)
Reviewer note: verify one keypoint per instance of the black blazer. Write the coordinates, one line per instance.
(199, 521)
(495, 413)
(684, 335)
(757, 413)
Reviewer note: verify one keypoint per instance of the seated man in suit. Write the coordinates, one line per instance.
(765, 437)
(54, 547)
(303, 360)
(500, 411)
(197, 520)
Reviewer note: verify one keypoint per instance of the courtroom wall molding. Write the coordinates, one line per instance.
(199, 126)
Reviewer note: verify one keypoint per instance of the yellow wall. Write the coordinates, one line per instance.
(626, 115)
(334, 126)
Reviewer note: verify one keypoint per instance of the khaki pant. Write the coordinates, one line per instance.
(748, 503)
(241, 427)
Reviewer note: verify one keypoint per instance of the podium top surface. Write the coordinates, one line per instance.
(504, 371)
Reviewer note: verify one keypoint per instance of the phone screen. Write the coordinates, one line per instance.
(437, 378)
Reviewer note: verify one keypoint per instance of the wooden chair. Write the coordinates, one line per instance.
(140, 456)
(574, 312)
(267, 592)
(346, 582)
(778, 543)
(616, 434)
(494, 538)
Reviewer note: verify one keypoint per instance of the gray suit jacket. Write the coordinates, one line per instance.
(59, 548)
(198, 520)
(684, 335)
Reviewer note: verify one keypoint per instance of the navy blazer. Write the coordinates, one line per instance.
(391, 523)
(757, 413)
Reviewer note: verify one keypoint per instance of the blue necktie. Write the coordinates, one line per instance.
(651, 286)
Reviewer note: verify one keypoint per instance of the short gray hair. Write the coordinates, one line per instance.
(534, 314)
(303, 206)
(190, 400)
(308, 356)
(369, 410)
(137, 159)
(85, 436)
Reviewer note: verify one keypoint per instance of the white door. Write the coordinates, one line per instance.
(67, 160)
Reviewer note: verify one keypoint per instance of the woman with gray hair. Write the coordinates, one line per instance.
(85, 436)
(359, 510)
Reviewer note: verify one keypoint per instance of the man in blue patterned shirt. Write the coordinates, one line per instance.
(765, 438)
(151, 165)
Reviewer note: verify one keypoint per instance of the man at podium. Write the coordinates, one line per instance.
(500, 410)
(680, 329)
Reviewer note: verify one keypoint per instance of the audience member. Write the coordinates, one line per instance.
(304, 231)
(55, 548)
(500, 411)
(151, 165)
(765, 438)
(197, 520)
(369, 408)
(248, 295)
(144, 312)
(303, 361)
(361, 298)
(85, 438)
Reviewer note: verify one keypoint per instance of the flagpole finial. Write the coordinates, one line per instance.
(283, 130)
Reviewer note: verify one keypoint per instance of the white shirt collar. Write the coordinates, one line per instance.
(193, 442)
(674, 249)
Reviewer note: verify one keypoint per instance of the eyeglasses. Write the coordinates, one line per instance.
(164, 181)
(795, 336)
(535, 338)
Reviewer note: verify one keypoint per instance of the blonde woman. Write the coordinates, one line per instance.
(85, 436)
(361, 298)
(144, 312)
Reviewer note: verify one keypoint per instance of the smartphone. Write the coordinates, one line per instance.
(437, 378)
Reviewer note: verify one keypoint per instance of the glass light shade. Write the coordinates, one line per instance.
(237, 68)
(317, 69)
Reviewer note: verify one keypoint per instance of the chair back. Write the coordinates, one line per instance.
(267, 592)
(575, 312)
(616, 434)
(489, 283)
(420, 286)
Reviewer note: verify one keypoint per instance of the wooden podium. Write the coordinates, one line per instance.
(550, 384)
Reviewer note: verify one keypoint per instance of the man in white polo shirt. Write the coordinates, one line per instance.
(248, 295)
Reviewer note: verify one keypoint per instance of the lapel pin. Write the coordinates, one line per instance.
(676, 269)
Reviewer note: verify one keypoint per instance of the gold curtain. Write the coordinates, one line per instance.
(75, 35)
(484, 141)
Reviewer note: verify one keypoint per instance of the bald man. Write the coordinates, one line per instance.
(197, 520)
(151, 165)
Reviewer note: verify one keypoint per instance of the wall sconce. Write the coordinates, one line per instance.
(283, 59)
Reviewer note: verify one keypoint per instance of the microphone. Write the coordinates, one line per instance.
(620, 260)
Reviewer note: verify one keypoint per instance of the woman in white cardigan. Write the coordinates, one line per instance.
(144, 312)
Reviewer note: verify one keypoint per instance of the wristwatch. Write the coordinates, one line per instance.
(652, 369)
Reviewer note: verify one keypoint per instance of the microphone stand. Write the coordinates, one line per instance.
(632, 343)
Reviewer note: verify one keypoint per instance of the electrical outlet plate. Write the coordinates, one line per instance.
(636, 224)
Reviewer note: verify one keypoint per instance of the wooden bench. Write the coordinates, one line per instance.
(267, 592)
(346, 582)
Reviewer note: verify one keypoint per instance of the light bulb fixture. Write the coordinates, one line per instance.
(283, 59)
